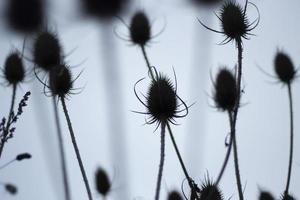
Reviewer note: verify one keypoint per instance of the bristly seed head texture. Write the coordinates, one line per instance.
(210, 191)
(47, 51)
(174, 195)
(225, 90)
(102, 182)
(265, 196)
(60, 81)
(14, 71)
(26, 15)
(284, 67)
(140, 29)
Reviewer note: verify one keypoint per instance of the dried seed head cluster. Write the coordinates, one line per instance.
(174, 195)
(210, 191)
(104, 8)
(60, 81)
(140, 29)
(103, 185)
(225, 90)
(14, 69)
(284, 67)
(265, 196)
(25, 15)
(47, 51)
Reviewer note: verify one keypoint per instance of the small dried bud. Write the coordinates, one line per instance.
(284, 67)
(11, 189)
(47, 51)
(174, 195)
(60, 80)
(225, 90)
(140, 30)
(103, 185)
(103, 8)
(209, 191)
(13, 69)
(26, 15)
(265, 196)
(23, 156)
(162, 101)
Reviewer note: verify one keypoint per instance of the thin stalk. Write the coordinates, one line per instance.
(147, 62)
(162, 159)
(76, 149)
(291, 140)
(61, 150)
(10, 115)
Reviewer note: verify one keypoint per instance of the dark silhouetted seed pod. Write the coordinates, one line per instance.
(13, 69)
(225, 90)
(234, 22)
(103, 185)
(162, 100)
(287, 197)
(23, 156)
(104, 8)
(26, 15)
(47, 51)
(210, 191)
(140, 30)
(284, 67)
(11, 189)
(265, 196)
(60, 80)
(174, 195)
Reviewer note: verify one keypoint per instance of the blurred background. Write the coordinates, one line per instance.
(111, 136)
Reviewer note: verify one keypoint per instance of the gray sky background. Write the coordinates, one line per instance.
(263, 122)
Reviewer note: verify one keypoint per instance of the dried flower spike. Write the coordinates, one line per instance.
(140, 29)
(265, 196)
(103, 184)
(60, 81)
(284, 67)
(174, 195)
(26, 15)
(14, 69)
(225, 90)
(47, 51)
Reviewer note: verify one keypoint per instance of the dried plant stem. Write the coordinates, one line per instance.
(286, 192)
(61, 150)
(76, 149)
(162, 159)
(147, 62)
(10, 115)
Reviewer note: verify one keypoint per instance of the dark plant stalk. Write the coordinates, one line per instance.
(61, 150)
(76, 149)
(147, 62)
(162, 159)
(10, 115)
(286, 192)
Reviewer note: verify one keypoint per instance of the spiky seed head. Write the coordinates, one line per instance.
(174, 195)
(210, 191)
(284, 67)
(47, 51)
(103, 8)
(11, 189)
(265, 196)
(60, 80)
(14, 69)
(26, 15)
(140, 30)
(23, 156)
(103, 185)
(162, 101)
(225, 90)
(234, 22)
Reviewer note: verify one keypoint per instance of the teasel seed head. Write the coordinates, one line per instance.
(210, 191)
(174, 195)
(284, 67)
(265, 196)
(103, 184)
(60, 81)
(14, 71)
(140, 29)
